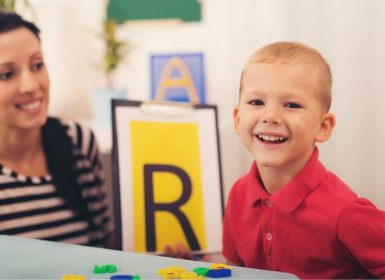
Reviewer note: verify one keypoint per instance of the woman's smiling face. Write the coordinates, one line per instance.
(24, 81)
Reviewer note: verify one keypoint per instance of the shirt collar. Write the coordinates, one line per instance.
(291, 195)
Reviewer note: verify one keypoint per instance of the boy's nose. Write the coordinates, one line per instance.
(28, 82)
(271, 115)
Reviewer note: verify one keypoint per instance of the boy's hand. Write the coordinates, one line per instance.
(233, 263)
(179, 251)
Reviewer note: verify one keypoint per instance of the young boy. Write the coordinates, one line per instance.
(290, 213)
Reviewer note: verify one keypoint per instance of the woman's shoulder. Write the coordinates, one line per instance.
(82, 136)
(77, 131)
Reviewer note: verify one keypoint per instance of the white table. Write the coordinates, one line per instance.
(24, 258)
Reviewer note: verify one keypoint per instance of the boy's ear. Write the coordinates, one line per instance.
(236, 118)
(325, 130)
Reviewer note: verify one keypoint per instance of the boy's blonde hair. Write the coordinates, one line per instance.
(296, 53)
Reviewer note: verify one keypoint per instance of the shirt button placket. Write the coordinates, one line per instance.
(267, 228)
(269, 236)
(269, 203)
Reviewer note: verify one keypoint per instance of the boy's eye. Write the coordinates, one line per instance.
(293, 105)
(37, 66)
(257, 102)
(6, 75)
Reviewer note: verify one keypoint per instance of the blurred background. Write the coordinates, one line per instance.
(349, 33)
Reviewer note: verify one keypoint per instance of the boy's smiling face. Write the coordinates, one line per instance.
(280, 116)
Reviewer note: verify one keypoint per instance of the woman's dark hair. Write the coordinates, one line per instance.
(10, 21)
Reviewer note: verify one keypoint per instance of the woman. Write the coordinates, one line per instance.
(51, 186)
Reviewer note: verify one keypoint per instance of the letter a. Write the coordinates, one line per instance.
(184, 81)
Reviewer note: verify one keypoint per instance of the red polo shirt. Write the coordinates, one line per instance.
(314, 227)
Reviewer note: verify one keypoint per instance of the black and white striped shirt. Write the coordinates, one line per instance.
(32, 207)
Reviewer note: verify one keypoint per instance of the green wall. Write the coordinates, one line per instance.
(123, 10)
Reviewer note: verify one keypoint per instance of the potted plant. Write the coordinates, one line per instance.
(9, 5)
(115, 50)
(115, 53)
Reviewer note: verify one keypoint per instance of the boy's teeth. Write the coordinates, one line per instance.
(271, 137)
